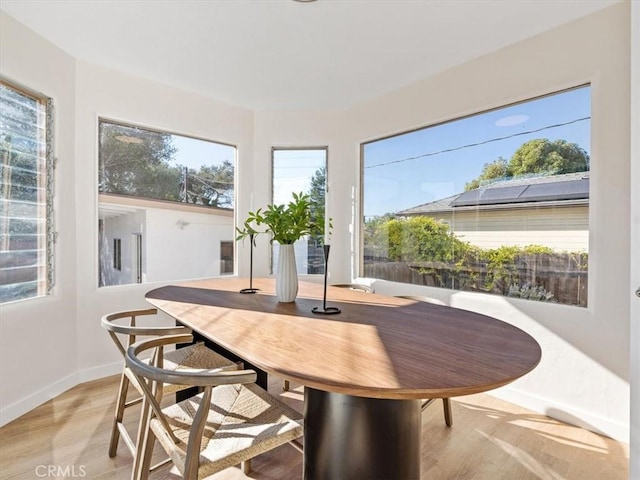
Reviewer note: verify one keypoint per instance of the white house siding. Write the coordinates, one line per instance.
(179, 240)
(183, 245)
(122, 227)
(560, 228)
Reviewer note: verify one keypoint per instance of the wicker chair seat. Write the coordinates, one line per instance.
(193, 357)
(243, 421)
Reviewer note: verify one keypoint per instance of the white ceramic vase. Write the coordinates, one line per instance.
(286, 275)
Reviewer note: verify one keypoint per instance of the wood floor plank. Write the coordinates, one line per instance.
(490, 440)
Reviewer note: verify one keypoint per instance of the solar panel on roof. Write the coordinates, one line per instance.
(556, 191)
(537, 192)
(488, 196)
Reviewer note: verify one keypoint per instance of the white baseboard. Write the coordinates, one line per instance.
(595, 423)
(28, 403)
(102, 371)
(19, 408)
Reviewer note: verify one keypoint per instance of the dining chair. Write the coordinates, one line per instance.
(355, 286)
(230, 422)
(446, 402)
(193, 356)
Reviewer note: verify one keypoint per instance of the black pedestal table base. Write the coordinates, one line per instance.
(348, 437)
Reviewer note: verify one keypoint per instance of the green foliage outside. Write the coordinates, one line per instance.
(317, 194)
(141, 163)
(540, 156)
(431, 248)
(415, 240)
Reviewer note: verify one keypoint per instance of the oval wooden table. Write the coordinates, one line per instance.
(365, 370)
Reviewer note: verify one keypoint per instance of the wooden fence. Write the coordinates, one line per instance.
(562, 275)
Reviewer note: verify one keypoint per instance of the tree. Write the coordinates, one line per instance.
(543, 156)
(135, 162)
(539, 156)
(317, 196)
(317, 193)
(490, 171)
(211, 185)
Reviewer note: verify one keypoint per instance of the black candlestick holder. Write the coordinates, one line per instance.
(325, 310)
(250, 289)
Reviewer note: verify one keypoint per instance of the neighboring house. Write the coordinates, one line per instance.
(552, 211)
(144, 240)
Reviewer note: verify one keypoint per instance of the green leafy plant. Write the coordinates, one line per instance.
(285, 224)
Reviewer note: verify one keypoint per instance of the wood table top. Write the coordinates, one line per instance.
(378, 347)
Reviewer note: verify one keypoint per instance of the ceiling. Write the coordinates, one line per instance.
(288, 55)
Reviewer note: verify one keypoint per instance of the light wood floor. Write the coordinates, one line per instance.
(490, 439)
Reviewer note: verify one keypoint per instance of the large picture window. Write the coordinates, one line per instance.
(26, 222)
(496, 202)
(169, 200)
(302, 170)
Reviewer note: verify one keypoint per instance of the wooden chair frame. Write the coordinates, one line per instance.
(151, 375)
(132, 331)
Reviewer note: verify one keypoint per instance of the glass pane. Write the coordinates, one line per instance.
(169, 199)
(296, 171)
(496, 202)
(23, 220)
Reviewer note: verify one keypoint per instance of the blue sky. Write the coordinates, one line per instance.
(395, 180)
(414, 168)
(293, 170)
(194, 153)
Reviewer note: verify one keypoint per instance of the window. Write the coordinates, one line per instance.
(173, 196)
(497, 202)
(26, 231)
(295, 171)
(117, 254)
(226, 257)
(136, 266)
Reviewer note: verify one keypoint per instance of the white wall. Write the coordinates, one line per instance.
(635, 240)
(63, 329)
(584, 373)
(105, 93)
(583, 377)
(38, 336)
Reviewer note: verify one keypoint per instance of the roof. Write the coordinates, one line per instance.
(551, 190)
